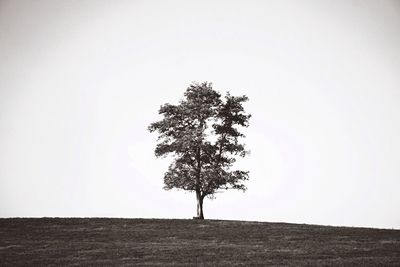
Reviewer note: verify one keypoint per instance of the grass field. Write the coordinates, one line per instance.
(106, 241)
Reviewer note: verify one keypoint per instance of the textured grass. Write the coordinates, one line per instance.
(105, 241)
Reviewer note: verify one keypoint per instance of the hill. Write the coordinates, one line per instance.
(105, 241)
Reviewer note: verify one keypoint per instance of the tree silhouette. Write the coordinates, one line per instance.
(201, 132)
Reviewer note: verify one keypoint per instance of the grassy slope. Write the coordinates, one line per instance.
(106, 241)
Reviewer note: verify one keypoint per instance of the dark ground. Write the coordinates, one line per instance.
(105, 241)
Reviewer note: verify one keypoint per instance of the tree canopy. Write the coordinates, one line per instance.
(202, 133)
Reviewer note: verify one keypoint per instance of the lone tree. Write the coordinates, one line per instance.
(201, 132)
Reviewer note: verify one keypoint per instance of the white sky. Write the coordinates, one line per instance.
(80, 81)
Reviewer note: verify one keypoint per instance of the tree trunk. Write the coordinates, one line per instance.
(200, 214)
(199, 197)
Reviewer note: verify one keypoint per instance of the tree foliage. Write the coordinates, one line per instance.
(202, 133)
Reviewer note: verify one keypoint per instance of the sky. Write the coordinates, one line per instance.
(80, 81)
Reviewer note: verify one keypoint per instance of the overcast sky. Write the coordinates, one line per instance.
(80, 81)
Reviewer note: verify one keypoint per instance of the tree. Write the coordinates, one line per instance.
(201, 132)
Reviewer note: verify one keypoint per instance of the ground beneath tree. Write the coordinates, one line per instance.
(106, 241)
